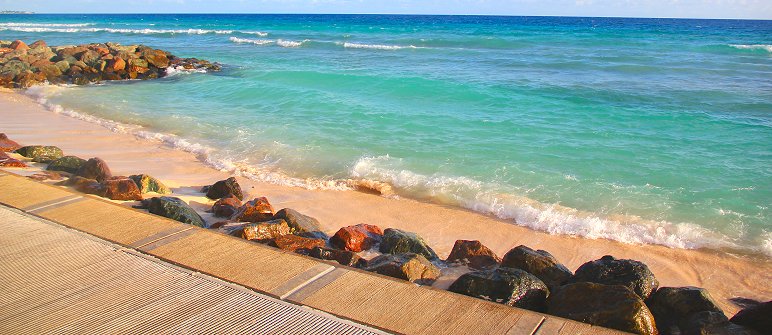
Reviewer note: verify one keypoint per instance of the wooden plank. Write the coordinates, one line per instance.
(550, 326)
(527, 324)
(21, 192)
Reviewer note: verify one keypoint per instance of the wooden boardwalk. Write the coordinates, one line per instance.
(133, 272)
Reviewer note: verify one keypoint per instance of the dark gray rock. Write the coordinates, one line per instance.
(539, 263)
(173, 208)
(758, 317)
(611, 306)
(223, 188)
(685, 309)
(397, 241)
(301, 223)
(611, 271)
(344, 257)
(513, 287)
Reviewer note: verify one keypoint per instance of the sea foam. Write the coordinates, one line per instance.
(766, 47)
(146, 31)
(376, 46)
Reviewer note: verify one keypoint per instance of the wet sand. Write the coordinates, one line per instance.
(725, 275)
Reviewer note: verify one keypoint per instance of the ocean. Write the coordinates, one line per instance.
(655, 131)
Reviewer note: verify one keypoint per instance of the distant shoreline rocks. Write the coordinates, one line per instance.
(23, 65)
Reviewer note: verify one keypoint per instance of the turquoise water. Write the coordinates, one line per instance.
(639, 130)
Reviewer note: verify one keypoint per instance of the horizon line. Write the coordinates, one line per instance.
(391, 14)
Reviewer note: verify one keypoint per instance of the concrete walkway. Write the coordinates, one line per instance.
(127, 271)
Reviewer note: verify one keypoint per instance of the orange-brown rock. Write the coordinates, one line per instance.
(5, 50)
(117, 64)
(265, 231)
(85, 185)
(95, 168)
(19, 45)
(46, 175)
(122, 188)
(357, 238)
(226, 207)
(38, 44)
(102, 51)
(298, 244)
(7, 144)
(474, 254)
(7, 161)
(256, 210)
(156, 58)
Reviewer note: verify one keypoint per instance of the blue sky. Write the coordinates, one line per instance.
(758, 9)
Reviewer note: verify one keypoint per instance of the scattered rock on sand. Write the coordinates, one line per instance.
(226, 207)
(40, 152)
(223, 188)
(539, 263)
(46, 175)
(301, 223)
(611, 306)
(8, 161)
(684, 309)
(357, 238)
(173, 208)
(758, 317)
(344, 257)
(85, 185)
(121, 189)
(255, 210)
(474, 254)
(513, 287)
(408, 266)
(95, 168)
(147, 184)
(298, 244)
(611, 271)
(7, 144)
(397, 241)
(265, 231)
(68, 164)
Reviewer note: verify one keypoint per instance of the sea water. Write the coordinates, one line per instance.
(640, 130)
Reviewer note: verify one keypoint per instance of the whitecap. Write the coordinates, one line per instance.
(767, 47)
(376, 46)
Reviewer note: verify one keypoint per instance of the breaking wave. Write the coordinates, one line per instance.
(280, 42)
(377, 46)
(766, 47)
(70, 29)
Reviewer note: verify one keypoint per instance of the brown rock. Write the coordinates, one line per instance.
(38, 44)
(256, 210)
(19, 45)
(95, 168)
(156, 57)
(85, 185)
(474, 253)
(357, 238)
(5, 50)
(46, 175)
(344, 257)
(117, 64)
(122, 189)
(538, 262)
(411, 267)
(7, 161)
(265, 231)
(226, 207)
(7, 144)
(298, 244)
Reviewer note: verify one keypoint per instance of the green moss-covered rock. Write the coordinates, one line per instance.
(40, 153)
(147, 184)
(67, 164)
(397, 241)
(173, 208)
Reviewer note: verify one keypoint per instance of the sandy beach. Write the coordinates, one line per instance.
(725, 276)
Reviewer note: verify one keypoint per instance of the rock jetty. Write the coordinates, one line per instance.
(23, 65)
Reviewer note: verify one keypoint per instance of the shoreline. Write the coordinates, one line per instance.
(29, 123)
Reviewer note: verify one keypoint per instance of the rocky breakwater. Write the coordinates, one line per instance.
(23, 65)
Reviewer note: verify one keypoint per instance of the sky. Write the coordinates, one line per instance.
(742, 9)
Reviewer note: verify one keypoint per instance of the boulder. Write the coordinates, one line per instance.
(89, 57)
(156, 58)
(19, 45)
(677, 308)
(226, 207)
(611, 306)
(314, 234)
(512, 287)
(122, 189)
(223, 188)
(38, 44)
(357, 238)
(758, 317)
(7, 144)
(40, 152)
(95, 168)
(474, 254)
(117, 64)
(344, 257)
(68, 164)
(63, 66)
(611, 271)
(298, 244)
(230, 228)
(173, 208)
(8, 161)
(147, 184)
(539, 263)
(301, 223)
(408, 266)
(85, 185)
(265, 231)
(256, 210)
(397, 241)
